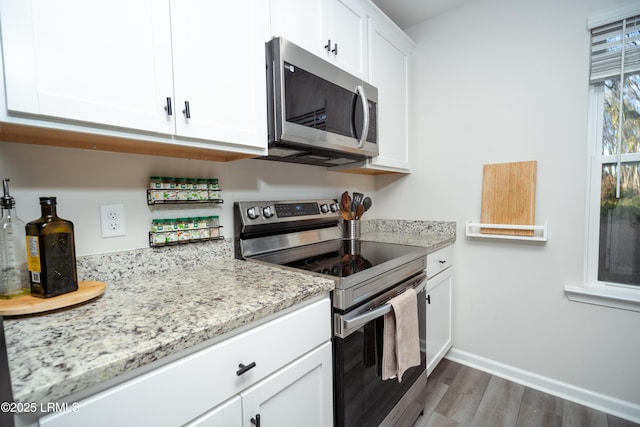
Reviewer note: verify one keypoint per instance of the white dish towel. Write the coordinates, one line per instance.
(401, 342)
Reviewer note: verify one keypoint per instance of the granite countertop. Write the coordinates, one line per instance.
(160, 302)
(433, 235)
(143, 318)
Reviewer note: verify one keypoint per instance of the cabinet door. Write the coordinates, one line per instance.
(298, 395)
(389, 72)
(438, 318)
(228, 414)
(300, 22)
(346, 28)
(219, 70)
(100, 62)
(320, 26)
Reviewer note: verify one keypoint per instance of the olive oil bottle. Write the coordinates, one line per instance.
(51, 253)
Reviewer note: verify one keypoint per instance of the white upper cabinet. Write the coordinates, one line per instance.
(219, 77)
(347, 32)
(389, 50)
(332, 29)
(133, 66)
(300, 22)
(98, 62)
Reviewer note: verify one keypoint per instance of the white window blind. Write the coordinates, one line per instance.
(615, 49)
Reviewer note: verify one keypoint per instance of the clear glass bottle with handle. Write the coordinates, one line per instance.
(51, 253)
(14, 277)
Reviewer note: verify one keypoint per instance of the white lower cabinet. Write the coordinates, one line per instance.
(439, 303)
(298, 395)
(288, 375)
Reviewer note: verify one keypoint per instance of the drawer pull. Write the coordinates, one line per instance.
(256, 421)
(245, 368)
(442, 261)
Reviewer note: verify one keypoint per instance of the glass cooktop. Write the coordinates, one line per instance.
(344, 258)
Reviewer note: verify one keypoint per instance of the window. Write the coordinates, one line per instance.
(613, 249)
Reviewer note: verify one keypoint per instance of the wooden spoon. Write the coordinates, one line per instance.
(359, 211)
(345, 201)
(346, 213)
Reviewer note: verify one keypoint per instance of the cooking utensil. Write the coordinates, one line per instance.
(346, 213)
(366, 202)
(357, 197)
(359, 211)
(345, 201)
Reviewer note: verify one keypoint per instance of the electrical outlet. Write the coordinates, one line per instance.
(112, 220)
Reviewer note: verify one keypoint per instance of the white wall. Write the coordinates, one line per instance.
(499, 81)
(84, 179)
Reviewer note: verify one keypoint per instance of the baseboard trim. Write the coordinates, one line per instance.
(610, 405)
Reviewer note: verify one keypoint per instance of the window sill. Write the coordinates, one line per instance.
(609, 297)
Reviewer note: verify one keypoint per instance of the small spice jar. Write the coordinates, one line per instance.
(192, 185)
(182, 189)
(183, 229)
(214, 189)
(214, 224)
(169, 192)
(171, 233)
(203, 189)
(155, 188)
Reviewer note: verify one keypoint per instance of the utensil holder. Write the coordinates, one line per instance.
(352, 229)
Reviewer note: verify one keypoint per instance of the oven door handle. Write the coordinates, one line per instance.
(345, 326)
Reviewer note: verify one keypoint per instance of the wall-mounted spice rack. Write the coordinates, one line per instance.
(165, 190)
(183, 191)
(173, 231)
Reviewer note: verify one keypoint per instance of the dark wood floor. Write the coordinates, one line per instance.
(460, 396)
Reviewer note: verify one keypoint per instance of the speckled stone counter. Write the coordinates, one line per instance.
(433, 235)
(162, 301)
(144, 317)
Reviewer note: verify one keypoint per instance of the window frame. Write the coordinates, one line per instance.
(593, 291)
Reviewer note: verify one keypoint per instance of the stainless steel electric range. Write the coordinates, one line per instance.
(306, 235)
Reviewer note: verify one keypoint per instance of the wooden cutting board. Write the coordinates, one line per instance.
(29, 305)
(509, 196)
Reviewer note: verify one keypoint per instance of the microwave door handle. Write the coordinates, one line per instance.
(365, 111)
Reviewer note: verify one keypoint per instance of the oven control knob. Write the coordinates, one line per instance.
(267, 212)
(333, 207)
(324, 208)
(253, 212)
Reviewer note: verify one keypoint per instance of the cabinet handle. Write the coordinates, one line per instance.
(256, 421)
(442, 261)
(335, 49)
(186, 111)
(167, 107)
(428, 299)
(245, 368)
(328, 45)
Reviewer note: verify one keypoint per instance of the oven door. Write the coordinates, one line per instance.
(361, 397)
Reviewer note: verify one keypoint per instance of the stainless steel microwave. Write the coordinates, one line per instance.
(318, 114)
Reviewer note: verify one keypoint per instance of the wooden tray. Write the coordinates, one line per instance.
(29, 305)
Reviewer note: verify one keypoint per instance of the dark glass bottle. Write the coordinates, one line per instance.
(51, 253)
